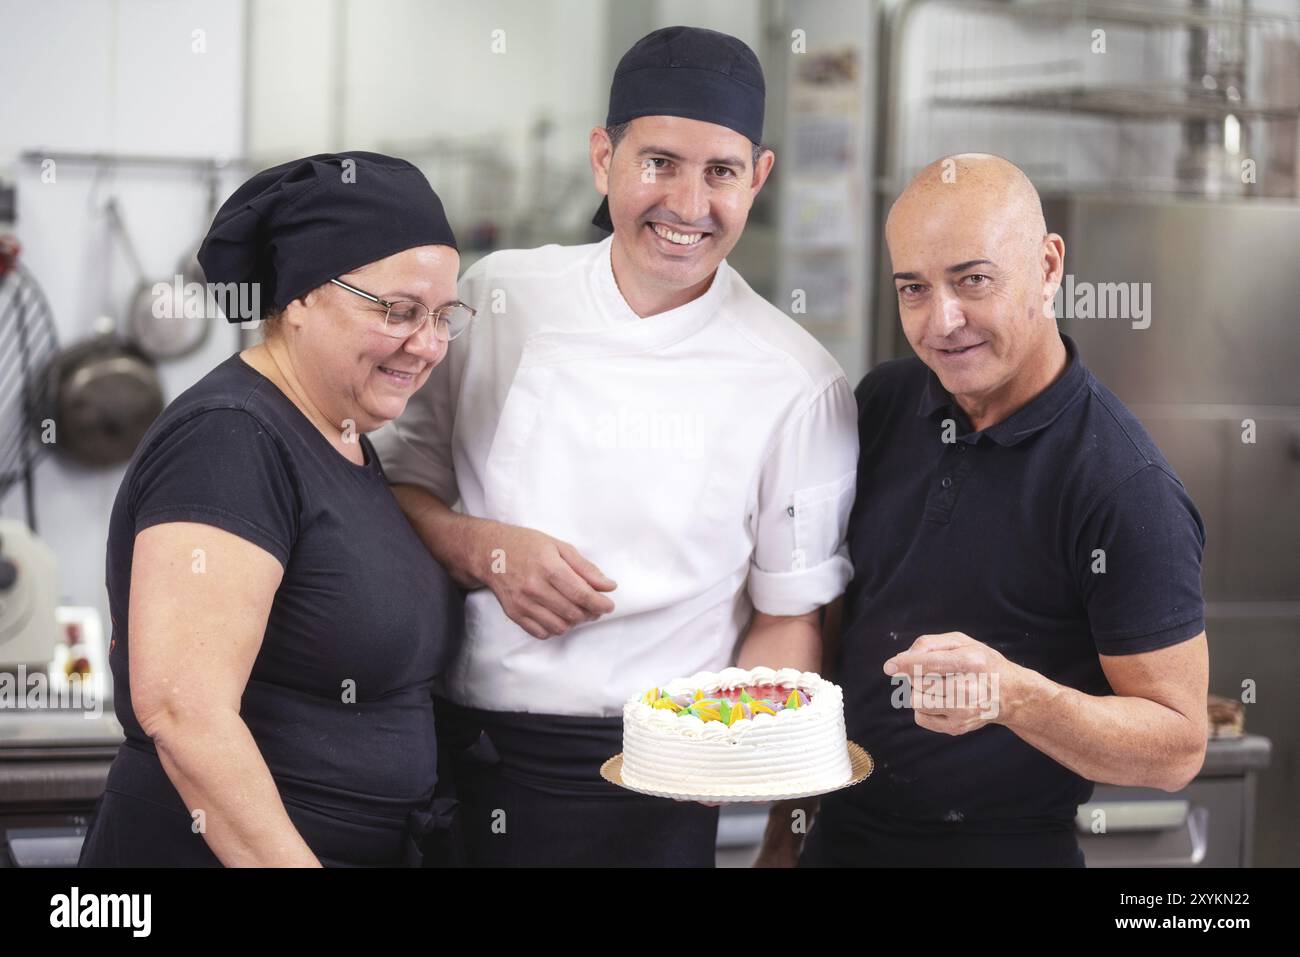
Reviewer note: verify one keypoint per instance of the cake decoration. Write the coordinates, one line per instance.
(728, 705)
(737, 734)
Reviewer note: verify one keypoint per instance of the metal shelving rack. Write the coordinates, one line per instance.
(1003, 72)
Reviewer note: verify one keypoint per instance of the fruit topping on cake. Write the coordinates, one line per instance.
(728, 705)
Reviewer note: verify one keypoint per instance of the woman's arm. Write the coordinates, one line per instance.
(200, 598)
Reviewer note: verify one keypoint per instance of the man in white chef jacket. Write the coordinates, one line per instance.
(654, 469)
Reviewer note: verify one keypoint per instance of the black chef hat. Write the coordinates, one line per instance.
(296, 226)
(689, 72)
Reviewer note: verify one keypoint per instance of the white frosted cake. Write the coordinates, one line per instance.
(737, 733)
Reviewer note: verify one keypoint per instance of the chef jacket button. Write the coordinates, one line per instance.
(947, 482)
(790, 511)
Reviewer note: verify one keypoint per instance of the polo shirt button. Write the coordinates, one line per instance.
(947, 482)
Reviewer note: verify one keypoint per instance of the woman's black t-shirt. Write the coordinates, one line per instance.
(339, 698)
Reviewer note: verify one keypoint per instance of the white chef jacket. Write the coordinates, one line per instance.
(704, 458)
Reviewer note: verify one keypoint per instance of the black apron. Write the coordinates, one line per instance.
(843, 837)
(530, 794)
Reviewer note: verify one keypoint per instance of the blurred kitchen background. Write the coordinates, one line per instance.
(1162, 135)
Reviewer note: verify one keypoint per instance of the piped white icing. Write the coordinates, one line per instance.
(796, 750)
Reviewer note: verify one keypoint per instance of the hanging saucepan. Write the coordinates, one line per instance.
(190, 267)
(162, 325)
(102, 394)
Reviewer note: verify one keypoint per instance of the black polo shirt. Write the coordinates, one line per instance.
(1002, 534)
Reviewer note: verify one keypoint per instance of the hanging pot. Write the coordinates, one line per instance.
(102, 394)
(158, 323)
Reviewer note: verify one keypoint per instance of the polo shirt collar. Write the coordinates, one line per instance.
(1036, 415)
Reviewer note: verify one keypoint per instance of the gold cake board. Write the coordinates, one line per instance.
(861, 761)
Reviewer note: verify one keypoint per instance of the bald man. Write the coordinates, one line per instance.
(1025, 616)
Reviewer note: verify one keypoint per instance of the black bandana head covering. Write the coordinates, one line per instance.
(296, 226)
(689, 72)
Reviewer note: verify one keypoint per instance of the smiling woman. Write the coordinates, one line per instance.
(273, 663)
(349, 363)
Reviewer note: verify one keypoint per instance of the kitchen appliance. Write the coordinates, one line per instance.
(1210, 823)
(29, 629)
(27, 341)
(54, 758)
(56, 744)
(53, 767)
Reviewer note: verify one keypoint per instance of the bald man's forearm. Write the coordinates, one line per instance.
(1110, 739)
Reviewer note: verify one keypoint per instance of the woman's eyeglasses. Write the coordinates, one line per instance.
(406, 317)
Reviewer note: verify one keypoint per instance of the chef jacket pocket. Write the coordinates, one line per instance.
(820, 511)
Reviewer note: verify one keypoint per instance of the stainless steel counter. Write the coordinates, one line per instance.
(1210, 823)
(53, 767)
(52, 770)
